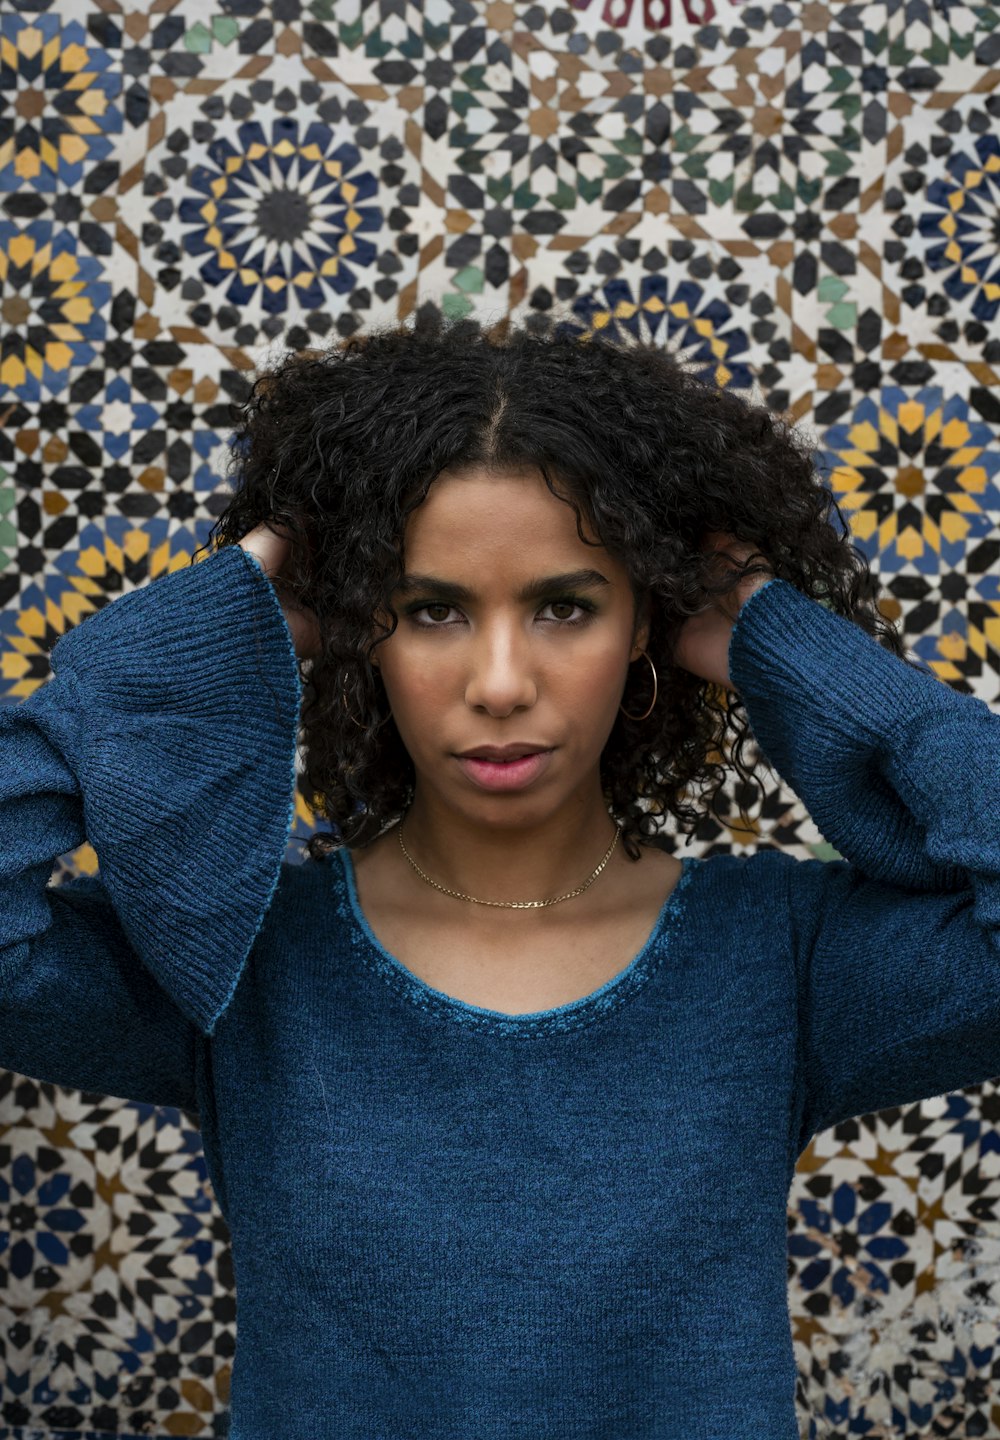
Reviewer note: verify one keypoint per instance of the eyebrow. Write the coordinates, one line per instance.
(533, 590)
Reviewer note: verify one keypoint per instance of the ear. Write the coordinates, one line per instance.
(643, 615)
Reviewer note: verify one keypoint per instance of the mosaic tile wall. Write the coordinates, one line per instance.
(803, 198)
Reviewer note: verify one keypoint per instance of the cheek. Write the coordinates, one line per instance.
(592, 687)
(417, 687)
(584, 679)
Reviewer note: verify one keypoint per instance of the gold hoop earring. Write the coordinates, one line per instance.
(652, 702)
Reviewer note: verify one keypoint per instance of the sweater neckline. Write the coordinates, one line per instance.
(571, 1016)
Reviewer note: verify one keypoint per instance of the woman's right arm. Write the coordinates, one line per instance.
(166, 737)
(76, 1006)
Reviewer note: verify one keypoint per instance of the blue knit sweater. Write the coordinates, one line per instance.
(446, 1221)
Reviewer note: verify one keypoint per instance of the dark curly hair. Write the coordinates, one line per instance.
(339, 446)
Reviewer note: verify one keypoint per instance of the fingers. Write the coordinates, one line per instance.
(269, 545)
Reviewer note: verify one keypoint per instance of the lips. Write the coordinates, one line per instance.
(515, 773)
(502, 754)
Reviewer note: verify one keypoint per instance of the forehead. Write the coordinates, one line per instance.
(479, 517)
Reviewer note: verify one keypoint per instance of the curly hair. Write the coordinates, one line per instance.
(340, 446)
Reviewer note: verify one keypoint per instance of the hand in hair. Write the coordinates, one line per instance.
(702, 645)
(272, 545)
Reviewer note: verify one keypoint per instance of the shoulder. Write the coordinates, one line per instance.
(748, 895)
(304, 933)
(307, 893)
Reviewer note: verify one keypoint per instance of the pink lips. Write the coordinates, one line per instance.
(505, 775)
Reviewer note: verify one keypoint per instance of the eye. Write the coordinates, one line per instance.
(570, 604)
(434, 605)
(438, 622)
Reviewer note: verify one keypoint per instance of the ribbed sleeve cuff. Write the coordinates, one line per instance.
(830, 708)
(186, 752)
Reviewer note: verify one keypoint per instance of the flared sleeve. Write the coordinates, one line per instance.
(166, 737)
(897, 944)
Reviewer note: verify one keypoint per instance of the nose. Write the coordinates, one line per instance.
(501, 675)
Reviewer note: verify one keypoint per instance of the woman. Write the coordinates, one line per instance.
(500, 1100)
(504, 712)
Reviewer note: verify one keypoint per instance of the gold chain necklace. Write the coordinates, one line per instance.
(510, 904)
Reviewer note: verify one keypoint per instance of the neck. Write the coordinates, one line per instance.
(506, 856)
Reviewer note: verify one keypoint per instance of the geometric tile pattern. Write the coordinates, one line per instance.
(802, 199)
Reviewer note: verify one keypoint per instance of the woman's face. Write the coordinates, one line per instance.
(493, 648)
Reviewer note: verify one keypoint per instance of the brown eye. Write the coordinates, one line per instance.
(584, 607)
(416, 612)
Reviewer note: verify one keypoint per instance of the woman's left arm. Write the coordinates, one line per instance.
(897, 946)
